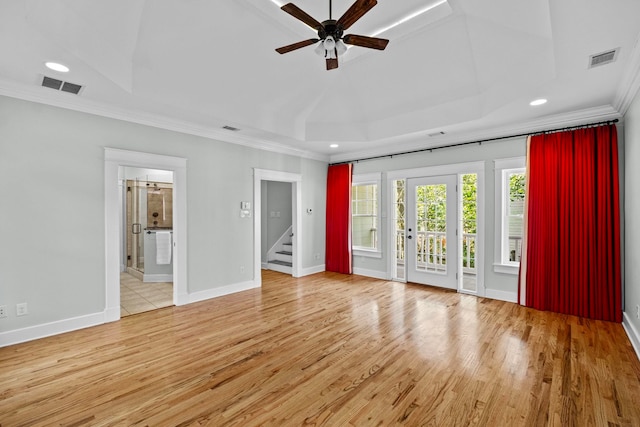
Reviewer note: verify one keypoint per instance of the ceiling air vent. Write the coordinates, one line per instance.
(71, 88)
(603, 58)
(52, 83)
(60, 85)
(231, 128)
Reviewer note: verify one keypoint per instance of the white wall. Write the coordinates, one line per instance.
(52, 216)
(486, 152)
(632, 221)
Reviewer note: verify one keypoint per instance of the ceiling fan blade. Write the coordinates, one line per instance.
(355, 12)
(364, 41)
(332, 64)
(300, 14)
(294, 46)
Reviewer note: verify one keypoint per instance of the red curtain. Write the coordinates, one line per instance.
(573, 224)
(338, 244)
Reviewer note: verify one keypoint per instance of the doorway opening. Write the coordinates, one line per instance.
(115, 259)
(283, 180)
(277, 226)
(146, 275)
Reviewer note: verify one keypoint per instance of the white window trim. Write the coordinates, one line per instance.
(501, 165)
(363, 179)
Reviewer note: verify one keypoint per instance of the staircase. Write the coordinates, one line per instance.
(281, 258)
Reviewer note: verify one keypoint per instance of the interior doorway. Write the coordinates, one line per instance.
(146, 276)
(260, 175)
(277, 226)
(114, 160)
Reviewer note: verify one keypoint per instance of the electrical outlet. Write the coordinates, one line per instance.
(3, 311)
(637, 311)
(316, 256)
(242, 269)
(21, 309)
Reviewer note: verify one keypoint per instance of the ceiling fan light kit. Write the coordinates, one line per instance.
(331, 32)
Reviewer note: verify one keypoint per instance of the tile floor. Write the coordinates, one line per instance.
(137, 296)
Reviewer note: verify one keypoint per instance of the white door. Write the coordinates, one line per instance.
(431, 231)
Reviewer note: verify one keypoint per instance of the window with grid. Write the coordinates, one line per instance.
(513, 190)
(364, 211)
(509, 196)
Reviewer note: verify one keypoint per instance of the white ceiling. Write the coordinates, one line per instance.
(464, 67)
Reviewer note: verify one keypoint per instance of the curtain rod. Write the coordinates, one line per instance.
(479, 142)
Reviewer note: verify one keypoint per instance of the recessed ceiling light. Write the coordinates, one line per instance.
(57, 67)
(334, 146)
(538, 102)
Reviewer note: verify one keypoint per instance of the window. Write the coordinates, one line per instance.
(399, 219)
(365, 214)
(513, 185)
(510, 191)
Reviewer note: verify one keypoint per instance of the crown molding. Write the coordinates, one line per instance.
(75, 103)
(630, 82)
(423, 141)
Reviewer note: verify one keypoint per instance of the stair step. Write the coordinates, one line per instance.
(287, 244)
(284, 253)
(285, 263)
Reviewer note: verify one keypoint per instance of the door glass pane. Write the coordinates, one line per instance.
(399, 224)
(431, 228)
(140, 214)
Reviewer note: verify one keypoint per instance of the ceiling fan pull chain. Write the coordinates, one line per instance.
(330, 8)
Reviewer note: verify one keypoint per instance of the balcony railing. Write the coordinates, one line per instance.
(515, 248)
(431, 251)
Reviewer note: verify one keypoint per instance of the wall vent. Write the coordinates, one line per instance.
(603, 58)
(231, 128)
(60, 85)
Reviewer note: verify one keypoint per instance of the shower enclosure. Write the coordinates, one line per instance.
(148, 208)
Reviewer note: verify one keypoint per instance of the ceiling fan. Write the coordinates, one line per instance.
(330, 32)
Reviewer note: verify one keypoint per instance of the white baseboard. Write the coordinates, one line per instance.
(311, 270)
(112, 314)
(501, 295)
(48, 329)
(382, 275)
(218, 292)
(632, 332)
(265, 265)
(280, 268)
(157, 278)
(67, 325)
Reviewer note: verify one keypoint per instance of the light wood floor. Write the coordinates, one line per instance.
(328, 350)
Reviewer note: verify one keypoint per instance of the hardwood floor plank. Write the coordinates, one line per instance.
(328, 349)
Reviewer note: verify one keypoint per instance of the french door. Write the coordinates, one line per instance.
(431, 231)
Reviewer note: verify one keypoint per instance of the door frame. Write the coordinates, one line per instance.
(260, 175)
(451, 169)
(113, 159)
